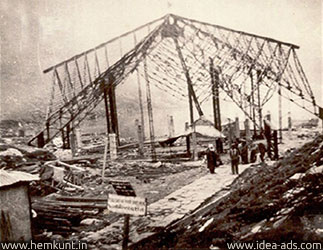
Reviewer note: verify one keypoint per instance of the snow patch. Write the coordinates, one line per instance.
(205, 225)
(292, 192)
(315, 170)
(296, 176)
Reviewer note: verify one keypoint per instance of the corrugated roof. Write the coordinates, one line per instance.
(11, 177)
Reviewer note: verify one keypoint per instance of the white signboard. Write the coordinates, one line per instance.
(127, 204)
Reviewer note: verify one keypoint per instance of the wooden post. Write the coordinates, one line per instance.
(188, 141)
(73, 144)
(247, 129)
(171, 130)
(230, 132)
(140, 137)
(105, 155)
(237, 128)
(113, 146)
(289, 122)
(107, 113)
(194, 142)
(276, 154)
(40, 140)
(141, 106)
(78, 137)
(267, 132)
(188, 146)
(150, 114)
(125, 232)
(47, 130)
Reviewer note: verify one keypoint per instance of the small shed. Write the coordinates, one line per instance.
(15, 206)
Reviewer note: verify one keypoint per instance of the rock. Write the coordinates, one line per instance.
(89, 221)
(11, 152)
(63, 154)
(57, 237)
(157, 164)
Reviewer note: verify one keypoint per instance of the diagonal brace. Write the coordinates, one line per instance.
(188, 78)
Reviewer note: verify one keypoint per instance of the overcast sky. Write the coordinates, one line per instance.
(70, 27)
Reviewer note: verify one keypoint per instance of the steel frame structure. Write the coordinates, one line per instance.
(177, 52)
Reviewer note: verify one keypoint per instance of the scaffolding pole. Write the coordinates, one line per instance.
(253, 105)
(280, 116)
(150, 114)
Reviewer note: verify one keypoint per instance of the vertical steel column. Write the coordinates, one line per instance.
(253, 105)
(217, 99)
(47, 131)
(140, 96)
(40, 140)
(213, 94)
(107, 113)
(140, 141)
(190, 102)
(150, 113)
(141, 106)
(259, 102)
(280, 116)
(113, 108)
(68, 130)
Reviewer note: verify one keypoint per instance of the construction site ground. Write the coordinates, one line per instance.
(173, 189)
(172, 196)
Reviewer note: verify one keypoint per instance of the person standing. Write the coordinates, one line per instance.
(262, 151)
(234, 155)
(212, 158)
(244, 153)
(253, 153)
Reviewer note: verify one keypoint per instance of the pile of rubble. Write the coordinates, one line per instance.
(71, 195)
(279, 201)
(15, 156)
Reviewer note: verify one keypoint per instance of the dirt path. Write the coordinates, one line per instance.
(166, 210)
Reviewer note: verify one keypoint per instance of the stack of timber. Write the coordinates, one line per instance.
(63, 214)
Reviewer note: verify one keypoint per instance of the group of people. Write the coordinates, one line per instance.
(238, 150)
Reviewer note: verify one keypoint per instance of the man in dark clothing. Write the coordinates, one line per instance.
(234, 155)
(212, 158)
(262, 150)
(244, 153)
(253, 153)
